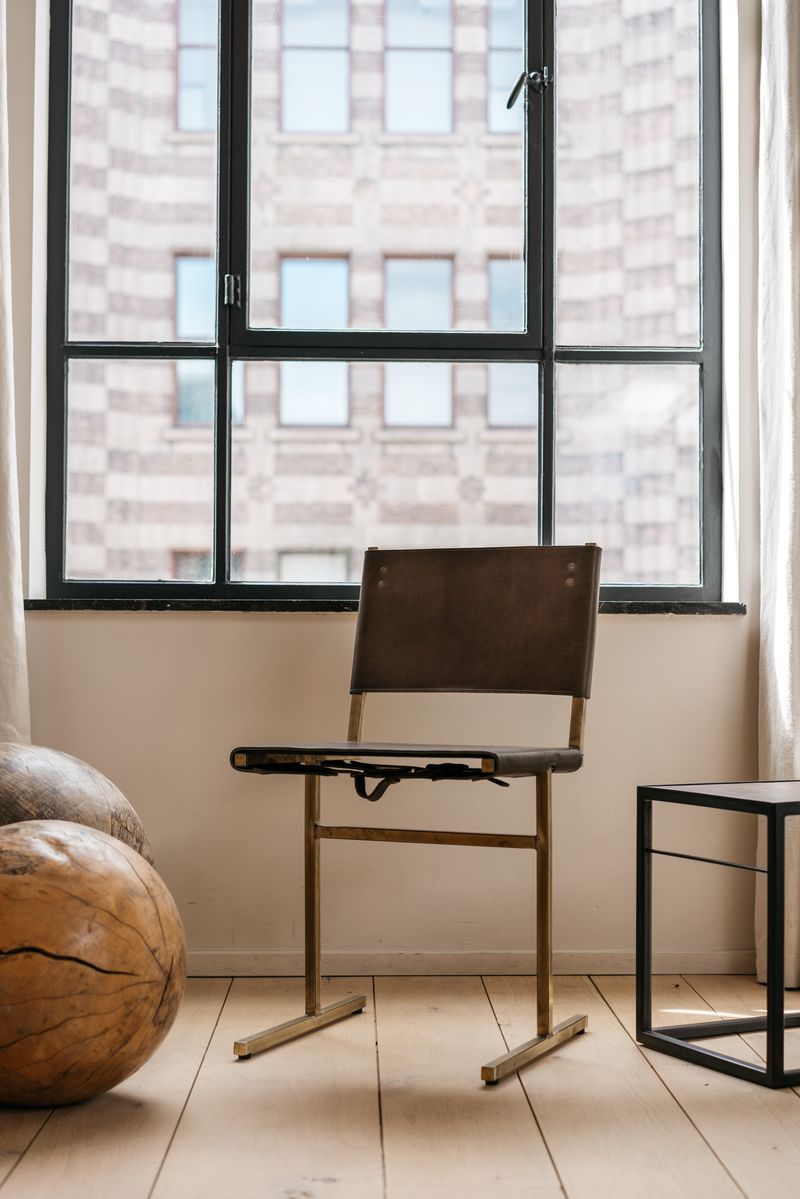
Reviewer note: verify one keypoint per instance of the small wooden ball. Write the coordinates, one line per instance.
(92, 962)
(45, 784)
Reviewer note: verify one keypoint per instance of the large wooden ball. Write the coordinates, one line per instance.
(92, 962)
(45, 784)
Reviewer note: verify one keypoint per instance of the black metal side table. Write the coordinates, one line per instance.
(775, 801)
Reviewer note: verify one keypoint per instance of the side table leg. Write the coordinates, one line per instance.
(776, 829)
(644, 915)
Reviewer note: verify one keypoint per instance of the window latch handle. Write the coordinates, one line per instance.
(538, 80)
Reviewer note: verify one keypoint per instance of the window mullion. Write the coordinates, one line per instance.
(223, 423)
(236, 36)
(58, 189)
(542, 52)
(711, 303)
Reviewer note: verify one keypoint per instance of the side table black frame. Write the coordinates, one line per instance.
(775, 801)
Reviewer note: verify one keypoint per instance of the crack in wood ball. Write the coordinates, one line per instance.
(92, 962)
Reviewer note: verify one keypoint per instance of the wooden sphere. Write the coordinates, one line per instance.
(92, 962)
(44, 784)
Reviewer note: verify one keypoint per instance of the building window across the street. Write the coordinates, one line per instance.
(513, 387)
(506, 60)
(314, 66)
(418, 84)
(197, 65)
(418, 295)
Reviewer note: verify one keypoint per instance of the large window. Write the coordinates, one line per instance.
(354, 299)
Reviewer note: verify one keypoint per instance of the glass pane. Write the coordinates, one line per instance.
(195, 299)
(506, 24)
(313, 393)
(330, 178)
(315, 22)
(313, 566)
(195, 392)
(506, 294)
(628, 173)
(420, 23)
(316, 490)
(513, 394)
(419, 293)
(627, 473)
(192, 566)
(140, 489)
(197, 89)
(419, 91)
(315, 95)
(505, 67)
(197, 22)
(237, 393)
(314, 293)
(141, 193)
(418, 393)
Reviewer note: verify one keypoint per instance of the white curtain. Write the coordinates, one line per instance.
(14, 708)
(779, 406)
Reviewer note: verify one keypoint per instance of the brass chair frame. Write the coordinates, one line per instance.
(316, 1016)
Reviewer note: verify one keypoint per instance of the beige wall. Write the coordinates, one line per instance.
(157, 700)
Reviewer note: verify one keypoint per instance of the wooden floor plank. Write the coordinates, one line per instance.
(18, 1127)
(447, 1135)
(755, 1131)
(742, 995)
(612, 1127)
(301, 1120)
(112, 1146)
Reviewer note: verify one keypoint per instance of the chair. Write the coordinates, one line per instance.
(455, 620)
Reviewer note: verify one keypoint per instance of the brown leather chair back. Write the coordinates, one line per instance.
(516, 619)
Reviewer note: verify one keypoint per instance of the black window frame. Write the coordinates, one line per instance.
(236, 341)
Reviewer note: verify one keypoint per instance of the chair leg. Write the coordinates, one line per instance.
(547, 1037)
(316, 1016)
(544, 905)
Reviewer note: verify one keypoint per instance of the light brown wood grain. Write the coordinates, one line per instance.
(302, 1121)
(613, 1129)
(446, 1134)
(18, 1128)
(742, 995)
(113, 1146)
(754, 1131)
(37, 783)
(92, 962)
(299, 1120)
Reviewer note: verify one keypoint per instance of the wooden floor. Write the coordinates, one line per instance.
(389, 1103)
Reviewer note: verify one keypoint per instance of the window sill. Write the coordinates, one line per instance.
(417, 434)
(311, 138)
(607, 607)
(191, 137)
(407, 140)
(314, 433)
(511, 434)
(187, 434)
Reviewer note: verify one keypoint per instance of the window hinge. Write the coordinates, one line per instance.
(538, 80)
(232, 292)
